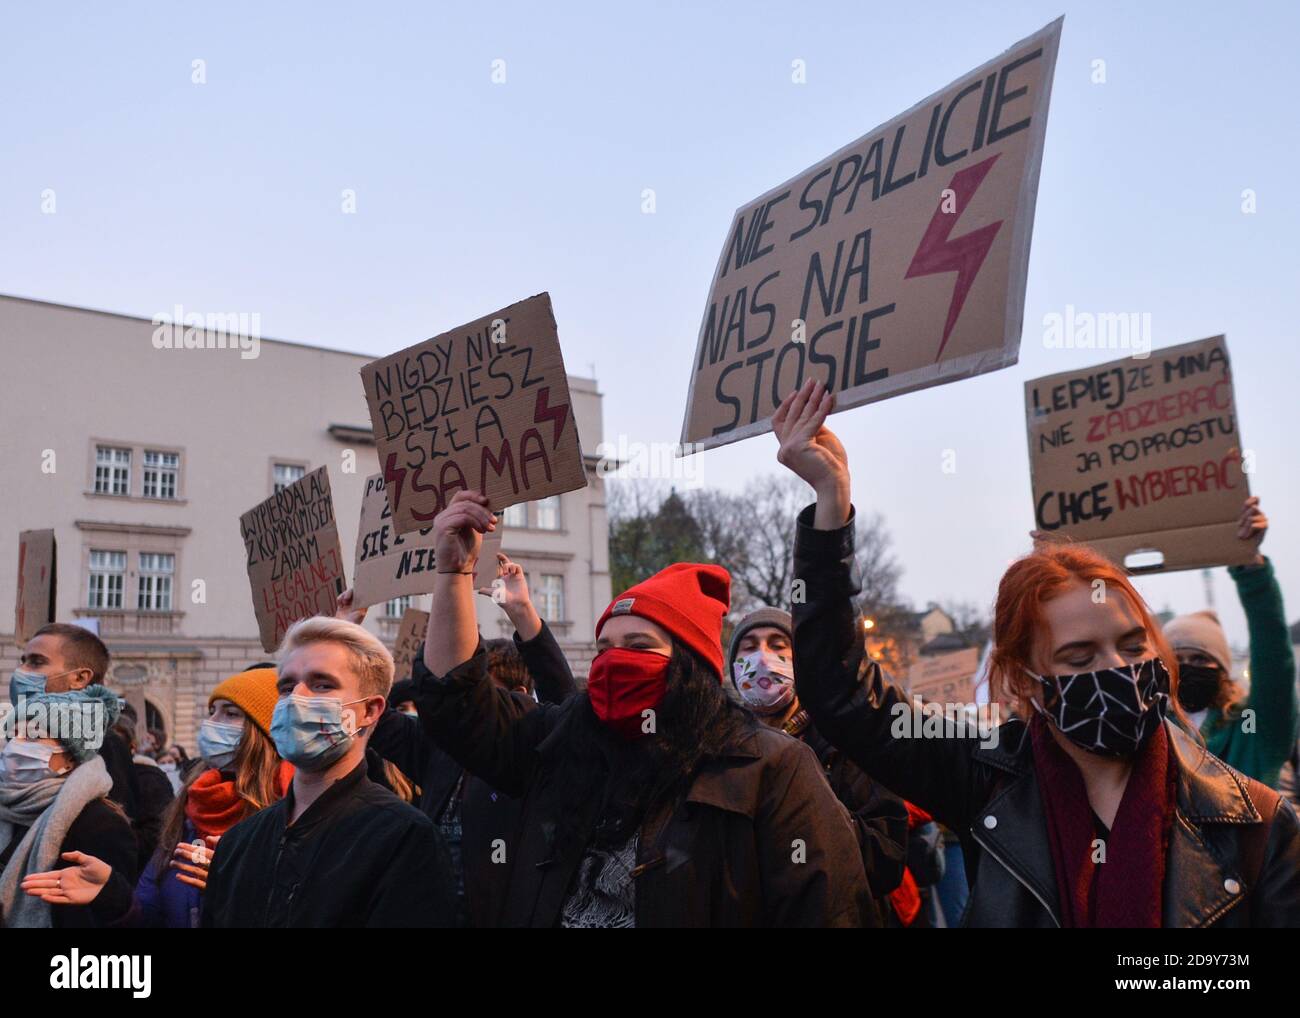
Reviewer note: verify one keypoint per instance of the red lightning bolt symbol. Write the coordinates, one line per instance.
(556, 414)
(394, 476)
(963, 255)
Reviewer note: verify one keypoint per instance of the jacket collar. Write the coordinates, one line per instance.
(327, 803)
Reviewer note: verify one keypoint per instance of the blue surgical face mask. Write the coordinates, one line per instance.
(23, 762)
(22, 684)
(310, 731)
(218, 741)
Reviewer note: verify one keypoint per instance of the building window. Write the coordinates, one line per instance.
(112, 470)
(549, 597)
(548, 513)
(516, 515)
(160, 472)
(156, 571)
(396, 608)
(286, 474)
(107, 579)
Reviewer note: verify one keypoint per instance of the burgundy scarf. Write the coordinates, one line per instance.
(1126, 890)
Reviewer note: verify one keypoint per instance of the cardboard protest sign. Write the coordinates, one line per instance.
(1141, 459)
(945, 678)
(295, 562)
(483, 407)
(388, 564)
(897, 263)
(37, 582)
(410, 634)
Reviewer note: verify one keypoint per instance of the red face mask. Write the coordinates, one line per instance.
(624, 683)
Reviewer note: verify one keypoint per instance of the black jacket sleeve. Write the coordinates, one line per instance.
(881, 821)
(399, 739)
(154, 795)
(492, 732)
(546, 663)
(852, 702)
(925, 856)
(106, 834)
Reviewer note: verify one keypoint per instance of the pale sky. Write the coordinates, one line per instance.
(226, 196)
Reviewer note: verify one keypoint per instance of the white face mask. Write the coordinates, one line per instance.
(764, 680)
(218, 741)
(23, 762)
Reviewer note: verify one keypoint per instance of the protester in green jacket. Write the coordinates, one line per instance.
(1254, 732)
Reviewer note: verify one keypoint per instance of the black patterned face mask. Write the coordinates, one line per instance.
(1111, 712)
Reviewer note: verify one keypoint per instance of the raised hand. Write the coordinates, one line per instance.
(811, 451)
(78, 884)
(459, 529)
(510, 591)
(1252, 524)
(343, 609)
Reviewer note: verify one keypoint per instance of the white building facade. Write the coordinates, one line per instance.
(142, 459)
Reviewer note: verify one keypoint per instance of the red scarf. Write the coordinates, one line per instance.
(1124, 892)
(906, 897)
(213, 806)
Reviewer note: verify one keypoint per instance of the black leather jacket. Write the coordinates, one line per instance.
(987, 790)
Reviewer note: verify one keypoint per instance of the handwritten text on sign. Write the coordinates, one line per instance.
(388, 564)
(295, 563)
(898, 262)
(484, 407)
(410, 635)
(1144, 453)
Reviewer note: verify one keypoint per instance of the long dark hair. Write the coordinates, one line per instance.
(623, 780)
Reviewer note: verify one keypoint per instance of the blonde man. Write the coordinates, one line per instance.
(337, 850)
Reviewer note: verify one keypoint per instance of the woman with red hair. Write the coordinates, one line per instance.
(1090, 807)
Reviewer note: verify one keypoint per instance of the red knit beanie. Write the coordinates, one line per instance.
(688, 600)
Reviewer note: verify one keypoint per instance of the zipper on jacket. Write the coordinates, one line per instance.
(1003, 863)
(275, 873)
(288, 905)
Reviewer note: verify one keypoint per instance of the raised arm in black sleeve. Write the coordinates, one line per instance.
(546, 663)
(852, 702)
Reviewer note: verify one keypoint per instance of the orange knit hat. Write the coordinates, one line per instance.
(253, 692)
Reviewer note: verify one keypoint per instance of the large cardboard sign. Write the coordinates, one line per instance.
(945, 678)
(1141, 459)
(897, 263)
(295, 562)
(483, 407)
(37, 582)
(410, 635)
(388, 564)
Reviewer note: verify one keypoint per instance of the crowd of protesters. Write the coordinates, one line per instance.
(779, 780)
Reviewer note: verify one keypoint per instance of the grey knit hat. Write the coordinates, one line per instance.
(78, 720)
(774, 617)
